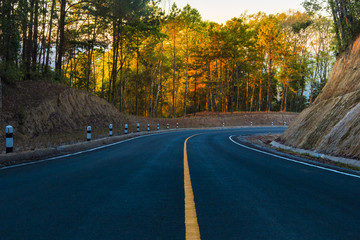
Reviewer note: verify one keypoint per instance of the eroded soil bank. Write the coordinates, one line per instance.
(47, 115)
(332, 124)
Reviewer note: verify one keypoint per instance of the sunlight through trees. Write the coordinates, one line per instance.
(150, 63)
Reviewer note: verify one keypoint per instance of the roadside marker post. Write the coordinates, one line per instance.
(167, 126)
(284, 123)
(158, 127)
(88, 135)
(9, 132)
(148, 127)
(223, 124)
(138, 127)
(126, 128)
(272, 123)
(110, 130)
(177, 125)
(251, 123)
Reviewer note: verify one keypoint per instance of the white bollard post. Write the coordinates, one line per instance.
(223, 124)
(177, 125)
(251, 123)
(9, 139)
(110, 130)
(88, 135)
(158, 127)
(148, 127)
(284, 123)
(167, 126)
(138, 127)
(126, 128)
(272, 123)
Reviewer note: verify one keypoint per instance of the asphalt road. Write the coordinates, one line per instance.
(135, 190)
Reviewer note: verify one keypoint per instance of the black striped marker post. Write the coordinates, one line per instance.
(148, 127)
(177, 125)
(138, 127)
(9, 139)
(167, 126)
(88, 135)
(110, 130)
(126, 128)
(158, 126)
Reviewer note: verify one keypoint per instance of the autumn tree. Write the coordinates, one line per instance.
(172, 30)
(190, 19)
(149, 63)
(270, 40)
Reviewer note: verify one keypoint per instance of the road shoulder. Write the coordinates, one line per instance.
(266, 143)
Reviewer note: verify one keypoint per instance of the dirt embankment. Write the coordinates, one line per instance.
(45, 114)
(49, 115)
(332, 124)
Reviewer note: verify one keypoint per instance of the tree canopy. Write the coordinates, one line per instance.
(151, 63)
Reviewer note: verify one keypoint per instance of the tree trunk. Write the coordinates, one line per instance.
(186, 83)
(155, 110)
(103, 76)
(49, 37)
(195, 97)
(137, 75)
(151, 94)
(252, 98)
(29, 42)
(115, 61)
(174, 74)
(283, 97)
(268, 104)
(208, 100)
(247, 92)
(24, 28)
(61, 38)
(35, 37)
(1, 115)
(122, 62)
(43, 37)
(260, 93)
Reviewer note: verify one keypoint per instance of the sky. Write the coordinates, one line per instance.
(222, 10)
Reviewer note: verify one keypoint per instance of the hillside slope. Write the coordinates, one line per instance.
(43, 113)
(48, 115)
(332, 124)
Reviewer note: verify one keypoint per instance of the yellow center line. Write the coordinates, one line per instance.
(191, 223)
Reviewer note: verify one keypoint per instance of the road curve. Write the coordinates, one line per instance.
(135, 190)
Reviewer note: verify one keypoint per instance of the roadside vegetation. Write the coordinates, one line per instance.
(151, 60)
(60, 115)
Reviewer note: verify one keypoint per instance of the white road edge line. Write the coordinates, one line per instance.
(81, 152)
(295, 161)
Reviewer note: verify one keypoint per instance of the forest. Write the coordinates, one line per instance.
(156, 62)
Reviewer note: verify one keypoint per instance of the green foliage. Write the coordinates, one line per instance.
(346, 18)
(10, 73)
(148, 63)
(298, 26)
(21, 114)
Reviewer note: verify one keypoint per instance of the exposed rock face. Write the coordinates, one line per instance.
(332, 124)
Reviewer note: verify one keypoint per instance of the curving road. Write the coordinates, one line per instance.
(135, 190)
